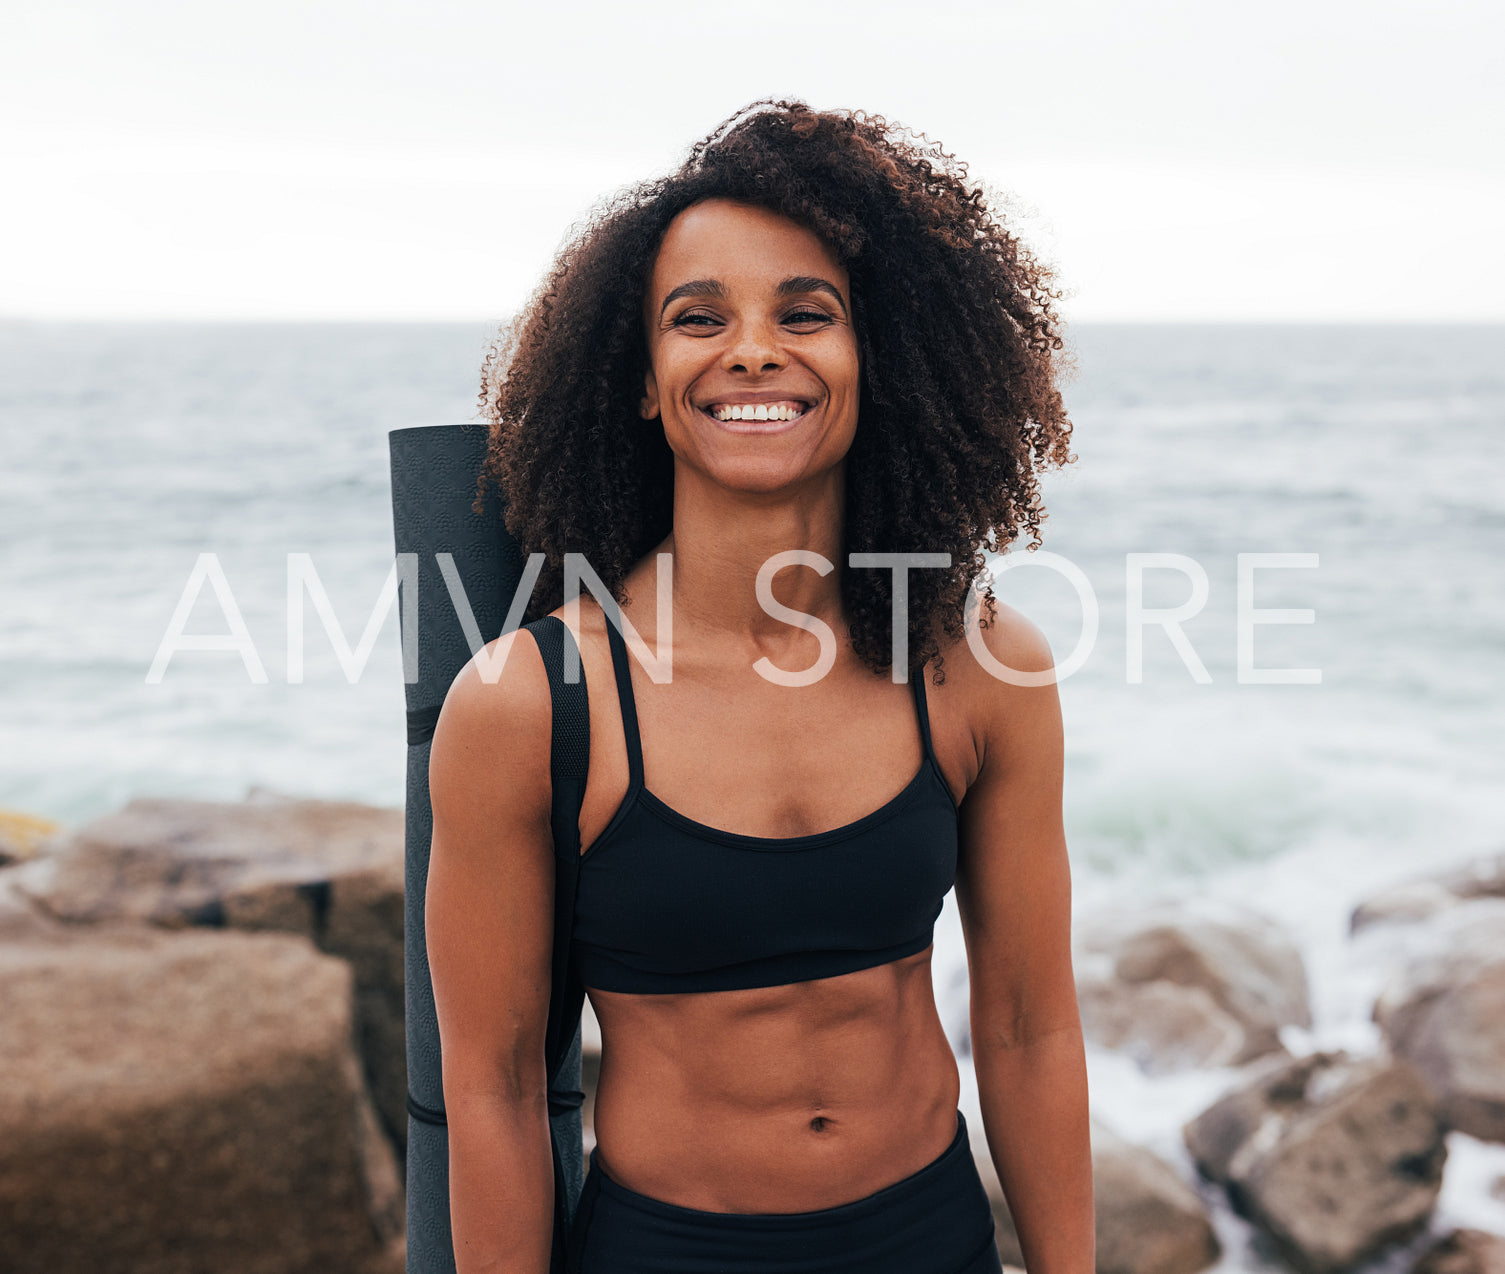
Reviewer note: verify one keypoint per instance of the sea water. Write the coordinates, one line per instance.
(1356, 476)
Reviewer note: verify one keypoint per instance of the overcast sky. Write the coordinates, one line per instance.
(1281, 161)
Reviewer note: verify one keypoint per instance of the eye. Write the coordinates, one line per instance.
(807, 316)
(689, 319)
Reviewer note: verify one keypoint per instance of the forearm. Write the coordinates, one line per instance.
(1034, 1110)
(501, 1184)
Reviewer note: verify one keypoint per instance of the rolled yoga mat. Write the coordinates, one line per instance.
(434, 478)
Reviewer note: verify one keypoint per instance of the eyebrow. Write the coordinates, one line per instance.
(793, 286)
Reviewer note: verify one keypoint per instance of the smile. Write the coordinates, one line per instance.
(787, 409)
(761, 418)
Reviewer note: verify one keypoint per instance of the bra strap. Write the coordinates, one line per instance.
(629, 704)
(922, 708)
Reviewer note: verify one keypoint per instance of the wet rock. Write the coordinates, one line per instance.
(1444, 1011)
(1148, 1219)
(1332, 1158)
(187, 1101)
(1426, 896)
(1464, 1252)
(329, 870)
(1176, 991)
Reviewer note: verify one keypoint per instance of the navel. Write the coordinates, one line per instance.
(819, 1124)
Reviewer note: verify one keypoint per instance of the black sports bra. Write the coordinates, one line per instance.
(667, 904)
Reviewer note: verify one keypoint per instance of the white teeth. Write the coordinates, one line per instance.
(756, 411)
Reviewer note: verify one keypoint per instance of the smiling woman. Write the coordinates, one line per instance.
(957, 339)
(814, 338)
(758, 344)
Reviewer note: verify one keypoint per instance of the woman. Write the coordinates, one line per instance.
(814, 339)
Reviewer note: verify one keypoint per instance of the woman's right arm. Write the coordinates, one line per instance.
(489, 919)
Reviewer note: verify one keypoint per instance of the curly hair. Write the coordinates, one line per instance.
(960, 345)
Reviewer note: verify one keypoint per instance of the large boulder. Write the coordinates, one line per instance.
(1164, 1027)
(1331, 1157)
(1148, 1219)
(1463, 1252)
(1425, 896)
(331, 871)
(184, 1102)
(1177, 990)
(1444, 1010)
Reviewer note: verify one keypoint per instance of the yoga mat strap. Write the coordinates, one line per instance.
(421, 723)
(569, 761)
(565, 1099)
(429, 1116)
(561, 1101)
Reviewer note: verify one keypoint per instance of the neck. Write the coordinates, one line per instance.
(722, 540)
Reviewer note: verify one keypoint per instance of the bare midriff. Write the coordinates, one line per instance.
(775, 1099)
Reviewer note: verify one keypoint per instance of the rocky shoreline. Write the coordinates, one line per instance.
(206, 1060)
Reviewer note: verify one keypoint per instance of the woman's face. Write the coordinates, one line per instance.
(749, 314)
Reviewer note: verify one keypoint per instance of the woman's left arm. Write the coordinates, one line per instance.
(1013, 892)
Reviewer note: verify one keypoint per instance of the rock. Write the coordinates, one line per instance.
(178, 862)
(1148, 1220)
(20, 919)
(1415, 900)
(1003, 1222)
(1444, 1011)
(1483, 876)
(1178, 990)
(329, 870)
(1425, 896)
(1162, 1026)
(191, 1101)
(1332, 1158)
(393, 1259)
(363, 925)
(22, 836)
(1464, 1252)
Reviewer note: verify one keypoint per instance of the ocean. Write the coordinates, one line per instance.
(1357, 472)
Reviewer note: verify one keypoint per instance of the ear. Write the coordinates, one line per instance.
(648, 408)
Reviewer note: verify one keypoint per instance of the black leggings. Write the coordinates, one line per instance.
(935, 1221)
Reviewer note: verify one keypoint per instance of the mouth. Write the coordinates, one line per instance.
(769, 416)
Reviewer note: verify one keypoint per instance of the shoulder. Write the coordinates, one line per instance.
(1008, 639)
(1001, 674)
(492, 740)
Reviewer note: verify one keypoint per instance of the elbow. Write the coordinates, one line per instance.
(514, 1076)
(1020, 1033)
(1016, 1025)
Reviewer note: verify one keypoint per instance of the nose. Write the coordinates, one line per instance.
(754, 348)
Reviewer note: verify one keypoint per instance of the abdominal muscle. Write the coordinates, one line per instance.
(775, 1099)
